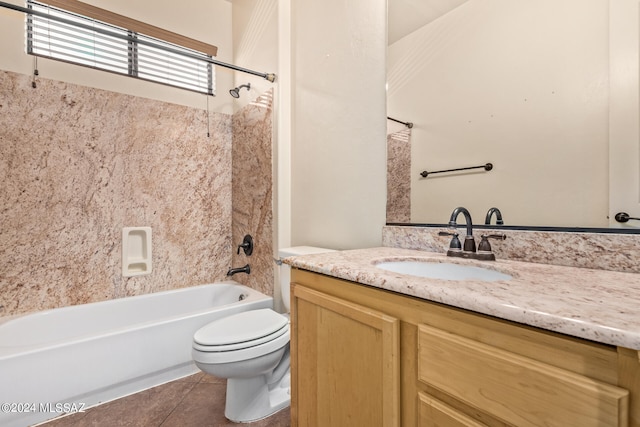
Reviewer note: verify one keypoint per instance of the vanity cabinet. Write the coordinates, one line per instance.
(363, 356)
(347, 370)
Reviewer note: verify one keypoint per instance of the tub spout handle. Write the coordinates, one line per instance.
(245, 269)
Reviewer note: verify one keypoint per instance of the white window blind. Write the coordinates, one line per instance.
(65, 36)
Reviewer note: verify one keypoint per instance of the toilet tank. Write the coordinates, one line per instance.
(285, 270)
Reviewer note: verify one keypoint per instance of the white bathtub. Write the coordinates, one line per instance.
(67, 359)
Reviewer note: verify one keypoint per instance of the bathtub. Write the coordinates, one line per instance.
(67, 359)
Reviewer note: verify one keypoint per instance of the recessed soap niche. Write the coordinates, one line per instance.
(136, 251)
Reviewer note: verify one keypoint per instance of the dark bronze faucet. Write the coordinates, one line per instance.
(245, 269)
(469, 245)
(490, 213)
(468, 249)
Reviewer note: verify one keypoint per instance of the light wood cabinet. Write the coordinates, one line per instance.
(434, 413)
(363, 356)
(347, 363)
(518, 390)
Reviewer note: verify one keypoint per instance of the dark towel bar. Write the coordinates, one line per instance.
(486, 167)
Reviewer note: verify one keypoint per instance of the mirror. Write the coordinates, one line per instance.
(523, 85)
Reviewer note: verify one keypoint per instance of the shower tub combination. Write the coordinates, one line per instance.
(67, 359)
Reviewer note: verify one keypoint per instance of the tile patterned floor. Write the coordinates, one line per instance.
(194, 401)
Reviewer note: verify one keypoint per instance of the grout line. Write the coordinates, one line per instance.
(193, 384)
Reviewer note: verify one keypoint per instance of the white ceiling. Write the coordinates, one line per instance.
(406, 16)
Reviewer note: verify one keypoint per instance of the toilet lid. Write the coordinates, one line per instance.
(241, 327)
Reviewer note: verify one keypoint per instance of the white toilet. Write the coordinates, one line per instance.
(251, 350)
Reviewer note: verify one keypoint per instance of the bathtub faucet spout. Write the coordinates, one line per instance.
(245, 269)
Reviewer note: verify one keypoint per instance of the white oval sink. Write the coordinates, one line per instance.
(443, 270)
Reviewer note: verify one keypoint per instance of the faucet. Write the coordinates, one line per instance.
(245, 269)
(469, 246)
(490, 213)
(484, 252)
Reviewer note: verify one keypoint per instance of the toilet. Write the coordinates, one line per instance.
(251, 350)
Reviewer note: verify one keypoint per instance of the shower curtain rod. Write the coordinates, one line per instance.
(268, 76)
(407, 124)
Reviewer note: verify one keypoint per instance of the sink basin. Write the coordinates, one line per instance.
(443, 270)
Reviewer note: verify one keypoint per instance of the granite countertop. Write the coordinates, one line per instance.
(597, 305)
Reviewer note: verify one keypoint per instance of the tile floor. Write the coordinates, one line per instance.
(194, 401)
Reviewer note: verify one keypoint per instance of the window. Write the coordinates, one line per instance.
(58, 34)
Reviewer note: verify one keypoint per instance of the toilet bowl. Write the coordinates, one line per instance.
(251, 350)
(246, 348)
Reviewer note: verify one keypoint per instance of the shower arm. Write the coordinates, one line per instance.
(267, 76)
(407, 124)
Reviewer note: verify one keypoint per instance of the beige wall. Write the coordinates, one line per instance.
(205, 20)
(338, 142)
(329, 152)
(255, 45)
(329, 101)
(523, 85)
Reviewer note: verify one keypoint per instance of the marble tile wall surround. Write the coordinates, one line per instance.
(253, 191)
(399, 176)
(77, 165)
(603, 251)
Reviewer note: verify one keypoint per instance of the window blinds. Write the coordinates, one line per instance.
(65, 36)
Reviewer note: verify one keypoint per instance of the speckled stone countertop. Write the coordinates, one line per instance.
(597, 305)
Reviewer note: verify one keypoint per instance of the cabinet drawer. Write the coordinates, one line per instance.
(434, 413)
(516, 389)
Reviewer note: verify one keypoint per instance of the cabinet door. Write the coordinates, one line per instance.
(344, 363)
(518, 390)
(434, 413)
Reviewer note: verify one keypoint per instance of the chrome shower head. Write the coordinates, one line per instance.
(235, 92)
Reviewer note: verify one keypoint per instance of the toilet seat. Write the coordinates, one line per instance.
(241, 328)
(241, 336)
(218, 357)
(243, 344)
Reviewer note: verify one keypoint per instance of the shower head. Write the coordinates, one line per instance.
(235, 92)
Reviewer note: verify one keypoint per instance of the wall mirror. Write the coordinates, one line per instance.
(545, 91)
